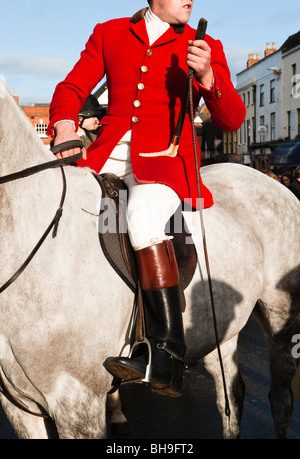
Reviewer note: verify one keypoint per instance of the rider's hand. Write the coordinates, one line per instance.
(198, 58)
(64, 133)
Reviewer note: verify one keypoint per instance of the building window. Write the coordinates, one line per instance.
(272, 91)
(262, 95)
(273, 125)
(253, 94)
(248, 133)
(254, 130)
(41, 129)
(289, 124)
(262, 123)
(248, 98)
(294, 72)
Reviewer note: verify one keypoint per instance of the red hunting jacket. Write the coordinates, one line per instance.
(146, 86)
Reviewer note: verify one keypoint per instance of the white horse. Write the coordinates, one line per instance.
(69, 310)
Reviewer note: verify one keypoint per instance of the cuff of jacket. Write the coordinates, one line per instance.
(53, 123)
(213, 93)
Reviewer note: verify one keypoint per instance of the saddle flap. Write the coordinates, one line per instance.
(115, 244)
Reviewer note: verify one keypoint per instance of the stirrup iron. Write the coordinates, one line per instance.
(147, 376)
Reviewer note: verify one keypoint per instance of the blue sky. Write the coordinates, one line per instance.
(41, 40)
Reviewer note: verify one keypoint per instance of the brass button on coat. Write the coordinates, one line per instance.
(141, 86)
(135, 119)
(137, 103)
(144, 68)
(149, 52)
(218, 93)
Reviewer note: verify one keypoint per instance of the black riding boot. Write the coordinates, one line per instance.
(161, 291)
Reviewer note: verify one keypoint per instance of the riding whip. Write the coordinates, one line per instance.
(202, 26)
(172, 152)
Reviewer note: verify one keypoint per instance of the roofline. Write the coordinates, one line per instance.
(260, 60)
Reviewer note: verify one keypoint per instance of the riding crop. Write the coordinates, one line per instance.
(172, 152)
(191, 72)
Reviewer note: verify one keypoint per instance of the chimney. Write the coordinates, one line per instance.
(16, 97)
(270, 50)
(252, 59)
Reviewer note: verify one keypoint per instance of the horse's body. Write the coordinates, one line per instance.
(69, 310)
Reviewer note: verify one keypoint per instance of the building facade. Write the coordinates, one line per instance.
(38, 115)
(270, 89)
(291, 87)
(260, 86)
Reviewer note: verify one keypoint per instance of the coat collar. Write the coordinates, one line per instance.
(139, 28)
(137, 17)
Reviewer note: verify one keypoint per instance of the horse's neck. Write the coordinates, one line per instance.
(27, 201)
(20, 146)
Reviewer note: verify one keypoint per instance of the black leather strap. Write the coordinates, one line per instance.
(54, 224)
(41, 167)
(66, 145)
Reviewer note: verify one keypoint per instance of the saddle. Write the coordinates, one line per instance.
(114, 239)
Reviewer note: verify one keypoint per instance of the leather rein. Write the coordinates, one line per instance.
(55, 221)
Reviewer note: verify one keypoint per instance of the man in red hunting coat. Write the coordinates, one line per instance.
(145, 59)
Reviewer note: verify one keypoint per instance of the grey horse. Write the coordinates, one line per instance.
(69, 310)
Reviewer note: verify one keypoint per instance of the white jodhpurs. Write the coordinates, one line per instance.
(150, 206)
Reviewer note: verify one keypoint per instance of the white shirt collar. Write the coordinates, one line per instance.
(155, 26)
